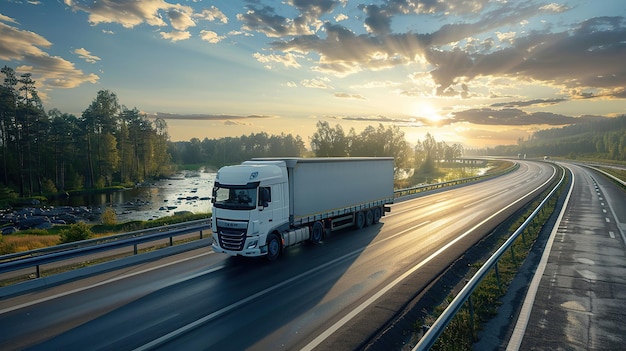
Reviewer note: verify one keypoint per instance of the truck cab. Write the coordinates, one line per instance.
(249, 201)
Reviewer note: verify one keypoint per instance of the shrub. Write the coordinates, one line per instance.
(76, 232)
(109, 217)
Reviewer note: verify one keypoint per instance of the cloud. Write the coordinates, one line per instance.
(589, 56)
(47, 71)
(213, 14)
(181, 18)
(211, 36)
(266, 21)
(349, 96)
(126, 13)
(287, 60)
(400, 122)
(86, 55)
(207, 117)
(529, 102)
(130, 14)
(318, 83)
(8, 19)
(340, 17)
(509, 117)
(16, 44)
(237, 123)
(175, 35)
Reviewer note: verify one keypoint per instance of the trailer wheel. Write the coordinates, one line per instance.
(359, 220)
(377, 214)
(369, 218)
(317, 232)
(273, 247)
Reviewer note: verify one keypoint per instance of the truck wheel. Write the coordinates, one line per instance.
(377, 214)
(317, 232)
(273, 247)
(369, 218)
(359, 220)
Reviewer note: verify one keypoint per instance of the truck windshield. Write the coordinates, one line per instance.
(235, 198)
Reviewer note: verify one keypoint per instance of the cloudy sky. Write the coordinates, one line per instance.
(478, 72)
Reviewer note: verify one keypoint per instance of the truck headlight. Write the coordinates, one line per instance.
(252, 244)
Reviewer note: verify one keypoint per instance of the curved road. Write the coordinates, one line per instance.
(576, 299)
(335, 295)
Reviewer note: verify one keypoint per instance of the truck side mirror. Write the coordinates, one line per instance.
(264, 197)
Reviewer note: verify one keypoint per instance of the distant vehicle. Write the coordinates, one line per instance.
(265, 205)
(545, 158)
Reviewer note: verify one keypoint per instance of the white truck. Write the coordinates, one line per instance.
(264, 205)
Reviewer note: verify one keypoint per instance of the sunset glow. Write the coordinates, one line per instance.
(477, 72)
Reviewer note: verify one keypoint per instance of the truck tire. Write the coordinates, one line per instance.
(317, 232)
(273, 247)
(377, 214)
(369, 217)
(359, 220)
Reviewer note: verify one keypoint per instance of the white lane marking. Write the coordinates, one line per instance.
(607, 219)
(522, 321)
(324, 335)
(163, 339)
(485, 198)
(612, 235)
(104, 282)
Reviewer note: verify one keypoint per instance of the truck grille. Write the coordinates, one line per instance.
(232, 239)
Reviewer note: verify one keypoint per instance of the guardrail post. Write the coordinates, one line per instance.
(38, 271)
(135, 249)
(513, 256)
(470, 305)
(498, 277)
(200, 233)
(171, 241)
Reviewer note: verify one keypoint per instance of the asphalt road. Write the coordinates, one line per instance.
(335, 295)
(577, 300)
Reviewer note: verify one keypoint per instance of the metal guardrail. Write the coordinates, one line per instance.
(36, 258)
(428, 187)
(79, 244)
(435, 330)
(617, 180)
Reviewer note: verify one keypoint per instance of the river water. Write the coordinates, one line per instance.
(189, 191)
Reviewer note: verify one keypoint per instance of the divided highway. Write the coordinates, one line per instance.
(576, 299)
(335, 295)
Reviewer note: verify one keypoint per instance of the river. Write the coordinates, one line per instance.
(188, 191)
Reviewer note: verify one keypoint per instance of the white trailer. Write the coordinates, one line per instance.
(264, 205)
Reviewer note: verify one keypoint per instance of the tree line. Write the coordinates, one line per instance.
(109, 144)
(233, 150)
(330, 141)
(604, 138)
(54, 151)
(327, 141)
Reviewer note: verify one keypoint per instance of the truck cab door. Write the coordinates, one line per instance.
(266, 208)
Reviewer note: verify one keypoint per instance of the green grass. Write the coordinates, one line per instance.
(462, 331)
(31, 239)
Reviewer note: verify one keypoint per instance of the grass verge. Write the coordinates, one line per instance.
(462, 331)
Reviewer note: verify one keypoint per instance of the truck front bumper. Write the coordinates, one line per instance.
(246, 252)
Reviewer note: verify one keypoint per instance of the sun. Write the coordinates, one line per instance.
(425, 111)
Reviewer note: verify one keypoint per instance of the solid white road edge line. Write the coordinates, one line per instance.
(522, 321)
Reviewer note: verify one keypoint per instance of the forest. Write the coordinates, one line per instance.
(45, 153)
(109, 144)
(601, 139)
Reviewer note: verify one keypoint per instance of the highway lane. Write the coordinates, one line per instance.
(576, 300)
(335, 294)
